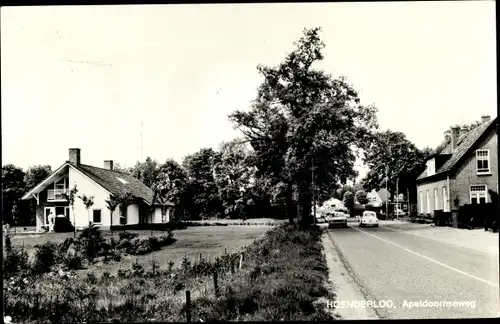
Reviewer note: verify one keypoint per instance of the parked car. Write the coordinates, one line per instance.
(336, 218)
(320, 218)
(399, 212)
(368, 218)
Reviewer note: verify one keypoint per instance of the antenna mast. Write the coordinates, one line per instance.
(141, 140)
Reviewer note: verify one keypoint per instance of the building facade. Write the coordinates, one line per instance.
(462, 172)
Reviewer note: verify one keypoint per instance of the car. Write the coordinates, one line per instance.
(399, 212)
(368, 218)
(336, 218)
(320, 218)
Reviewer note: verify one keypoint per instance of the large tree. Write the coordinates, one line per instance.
(234, 176)
(404, 162)
(304, 121)
(36, 174)
(172, 185)
(13, 188)
(146, 171)
(202, 191)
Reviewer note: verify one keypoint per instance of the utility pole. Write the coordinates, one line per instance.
(397, 197)
(408, 199)
(387, 192)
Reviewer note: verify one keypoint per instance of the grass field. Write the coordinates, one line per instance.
(210, 241)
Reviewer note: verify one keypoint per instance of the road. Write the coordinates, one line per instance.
(387, 264)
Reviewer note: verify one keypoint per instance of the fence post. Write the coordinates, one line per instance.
(241, 260)
(216, 284)
(200, 257)
(188, 306)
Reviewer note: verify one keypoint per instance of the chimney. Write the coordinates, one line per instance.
(108, 164)
(485, 119)
(454, 137)
(447, 136)
(74, 156)
(463, 132)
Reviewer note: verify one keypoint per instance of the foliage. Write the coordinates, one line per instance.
(111, 203)
(88, 202)
(234, 176)
(15, 259)
(171, 185)
(45, 257)
(70, 196)
(13, 188)
(202, 190)
(360, 197)
(146, 171)
(403, 160)
(348, 201)
(302, 119)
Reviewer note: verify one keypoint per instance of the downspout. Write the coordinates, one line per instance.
(449, 193)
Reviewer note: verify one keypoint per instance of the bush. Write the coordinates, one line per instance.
(16, 260)
(128, 236)
(73, 258)
(63, 225)
(45, 257)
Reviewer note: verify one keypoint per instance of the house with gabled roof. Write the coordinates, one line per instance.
(101, 183)
(462, 171)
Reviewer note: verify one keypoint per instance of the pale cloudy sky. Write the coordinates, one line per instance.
(87, 76)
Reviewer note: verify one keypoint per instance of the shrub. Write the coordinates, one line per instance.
(15, 261)
(73, 258)
(45, 257)
(137, 269)
(141, 246)
(128, 235)
(63, 225)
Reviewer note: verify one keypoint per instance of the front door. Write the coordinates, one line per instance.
(47, 211)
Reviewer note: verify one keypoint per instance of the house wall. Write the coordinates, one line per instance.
(422, 188)
(466, 175)
(89, 188)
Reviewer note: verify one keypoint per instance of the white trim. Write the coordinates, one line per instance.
(45, 215)
(483, 158)
(436, 199)
(485, 192)
(448, 192)
(428, 201)
(27, 195)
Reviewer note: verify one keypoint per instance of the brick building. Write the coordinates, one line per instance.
(463, 171)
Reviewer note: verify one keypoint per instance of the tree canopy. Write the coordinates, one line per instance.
(302, 120)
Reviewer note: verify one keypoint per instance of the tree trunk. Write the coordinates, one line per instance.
(289, 204)
(305, 197)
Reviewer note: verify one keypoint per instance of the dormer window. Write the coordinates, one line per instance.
(121, 180)
(483, 161)
(431, 167)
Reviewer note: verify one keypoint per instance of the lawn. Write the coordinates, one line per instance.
(210, 241)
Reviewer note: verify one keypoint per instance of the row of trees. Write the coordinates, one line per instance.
(301, 137)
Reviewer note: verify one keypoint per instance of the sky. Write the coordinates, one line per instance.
(88, 77)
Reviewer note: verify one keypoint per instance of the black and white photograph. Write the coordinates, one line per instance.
(240, 162)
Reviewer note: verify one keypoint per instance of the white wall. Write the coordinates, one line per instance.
(89, 188)
(133, 214)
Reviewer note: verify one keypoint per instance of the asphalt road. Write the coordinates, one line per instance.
(391, 267)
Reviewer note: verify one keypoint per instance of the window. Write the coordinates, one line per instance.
(421, 202)
(483, 161)
(428, 198)
(478, 194)
(445, 200)
(436, 200)
(431, 167)
(121, 180)
(96, 217)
